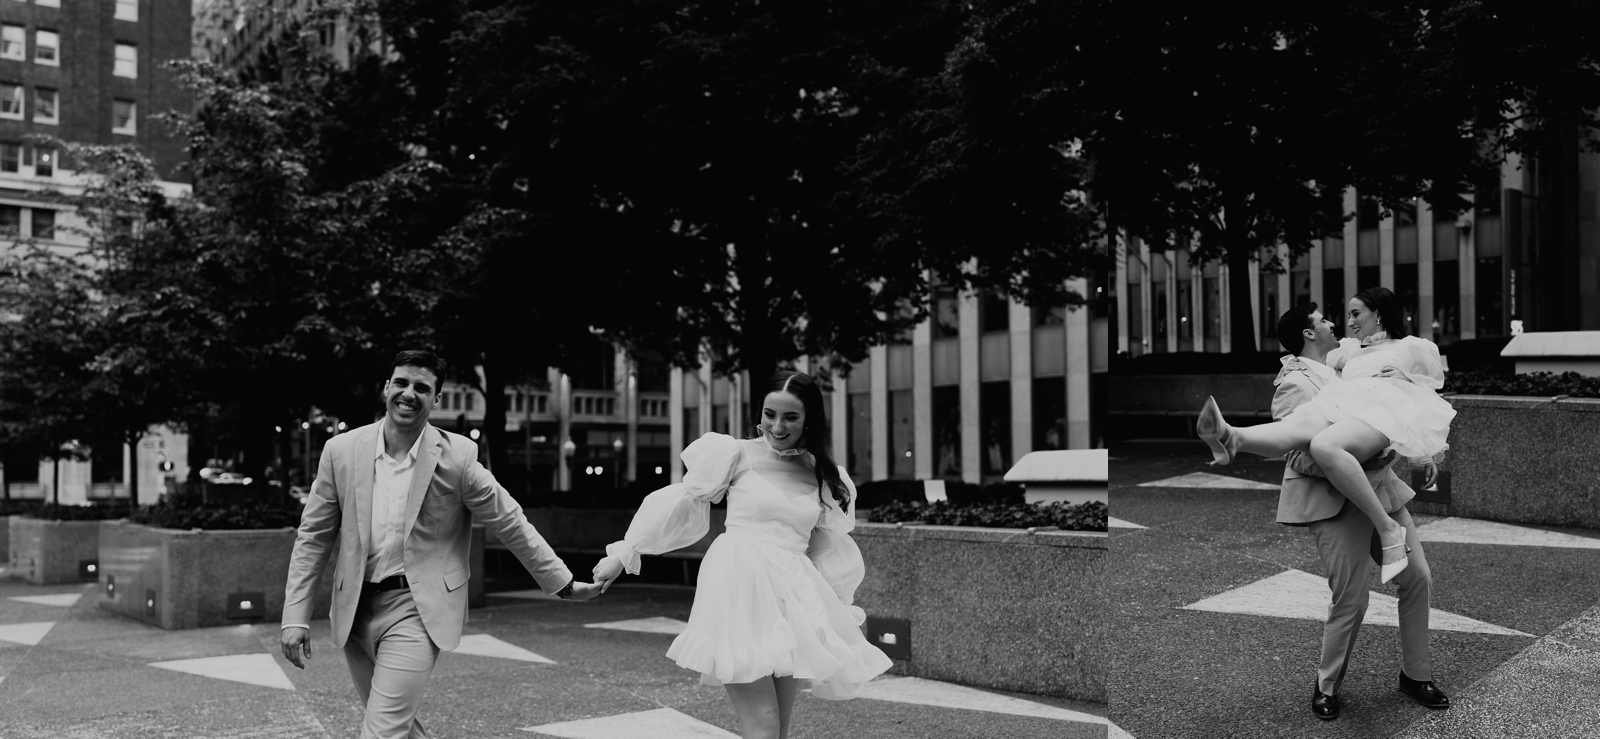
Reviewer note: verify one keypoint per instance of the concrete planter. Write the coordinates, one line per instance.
(48, 552)
(1523, 460)
(996, 608)
(178, 579)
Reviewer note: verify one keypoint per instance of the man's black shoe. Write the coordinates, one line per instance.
(1424, 692)
(1324, 706)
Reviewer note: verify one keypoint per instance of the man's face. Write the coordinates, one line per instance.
(409, 396)
(1322, 332)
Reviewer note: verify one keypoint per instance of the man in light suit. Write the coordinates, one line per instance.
(399, 498)
(1345, 537)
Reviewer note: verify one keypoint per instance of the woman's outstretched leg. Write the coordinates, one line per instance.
(1338, 450)
(1268, 439)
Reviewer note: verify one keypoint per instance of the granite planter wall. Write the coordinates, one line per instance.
(1524, 460)
(996, 608)
(185, 579)
(47, 552)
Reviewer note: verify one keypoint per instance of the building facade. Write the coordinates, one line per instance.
(1526, 257)
(87, 72)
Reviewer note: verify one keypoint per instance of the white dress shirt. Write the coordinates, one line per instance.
(385, 540)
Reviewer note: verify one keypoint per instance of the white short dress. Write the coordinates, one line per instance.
(776, 589)
(1411, 414)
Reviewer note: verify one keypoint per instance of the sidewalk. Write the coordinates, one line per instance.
(529, 666)
(1218, 612)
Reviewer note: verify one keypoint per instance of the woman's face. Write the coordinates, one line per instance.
(783, 417)
(1361, 321)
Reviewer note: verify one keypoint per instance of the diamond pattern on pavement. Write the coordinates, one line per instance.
(1117, 732)
(934, 693)
(653, 625)
(65, 600)
(661, 723)
(255, 669)
(483, 645)
(1296, 594)
(1117, 523)
(1208, 481)
(29, 634)
(1471, 531)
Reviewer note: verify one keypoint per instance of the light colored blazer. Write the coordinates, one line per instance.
(1306, 495)
(449, 489)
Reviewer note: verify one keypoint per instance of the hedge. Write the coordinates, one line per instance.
(884, 492)
(98, 512)
(19, 507)
(1535, 384)
(1091, 516)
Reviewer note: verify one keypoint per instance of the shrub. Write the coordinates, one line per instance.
(98, 512)
(166, 516)
(19, 507)
(1536, 384)
(1091, 516)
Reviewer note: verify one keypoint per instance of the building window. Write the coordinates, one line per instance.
(44, 223)
(994, 416)
(44, 162)
(127, 10)
(947, 432)
(946, 312)
(1049, 413)
(1158, 303)
(11, 158)
(48, 3)
(11, 101)
(47, 47)
(127, 63)
(123, 114)
(46, 105)
(901, 423)
(859, 408)
(994, 312)
(10, 220)
(13, 42)
(469, 400)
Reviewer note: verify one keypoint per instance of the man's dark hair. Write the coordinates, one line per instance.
(1294, 321)
(419, 358)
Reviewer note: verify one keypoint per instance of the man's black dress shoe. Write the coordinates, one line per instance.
(1424, 692)
(1324, 706)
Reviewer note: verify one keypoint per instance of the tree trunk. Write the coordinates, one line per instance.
(133, 469)
(1241, 315)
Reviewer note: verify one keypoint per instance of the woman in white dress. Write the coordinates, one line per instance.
(773, 603)
(1385, 397)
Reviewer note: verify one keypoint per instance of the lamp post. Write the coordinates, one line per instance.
(616, 475)
(568, 448)
(305, 430)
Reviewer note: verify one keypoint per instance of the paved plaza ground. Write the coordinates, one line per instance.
(1217, 615)
(529, 666)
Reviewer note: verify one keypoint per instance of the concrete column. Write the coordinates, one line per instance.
(675, 441)
(1255, 299)
(1197, 304)
(1077, 375)
(967, 317)
(880, 412)
(1224, 307)
(736, 403)
(1122, 321)
(841, 418)
(1173, 329)
(564, 409)
(1425, 271)
(1146, 280)
(1385, 253)
(1350, 250)
(1314, 265)
(630, 395)
(1022, 377)
(1285, 283)
(705, 394)
(1467, 261)
(922, 400)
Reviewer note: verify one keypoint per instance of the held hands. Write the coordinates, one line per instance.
(606, 572)
(1432, 474)
(584, 590)
(1393, 373)
(295, 639)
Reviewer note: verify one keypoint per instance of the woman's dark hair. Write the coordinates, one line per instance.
(1382, 301)
(817, 437)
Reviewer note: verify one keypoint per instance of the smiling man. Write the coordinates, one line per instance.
(400, 497)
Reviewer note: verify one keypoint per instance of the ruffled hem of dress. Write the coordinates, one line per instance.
(832, 678)
(1416, 421)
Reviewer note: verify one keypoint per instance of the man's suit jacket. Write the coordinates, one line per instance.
(449, 489)
(1306, 495)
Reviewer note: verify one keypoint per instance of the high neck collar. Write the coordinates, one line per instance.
(791, 452)
(1375, 338)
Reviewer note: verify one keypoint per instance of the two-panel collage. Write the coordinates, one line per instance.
(782, 369)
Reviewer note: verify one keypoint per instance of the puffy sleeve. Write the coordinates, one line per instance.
(835, 554)
(1341, 354)
(680, 514)
(1422, 362)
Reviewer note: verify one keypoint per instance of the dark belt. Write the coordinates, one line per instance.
(392, 582)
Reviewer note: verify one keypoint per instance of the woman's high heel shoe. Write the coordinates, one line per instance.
(1216, 433)
(1395, 568)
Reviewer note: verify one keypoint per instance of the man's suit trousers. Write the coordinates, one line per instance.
(390, 657)
(1348, 544)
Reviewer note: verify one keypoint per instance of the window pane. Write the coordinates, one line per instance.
(44, 104)
(11, 100)
(44, 223)
(10, 158)
(127, 61)
(994, 424)
(127, 10)
(45, 44)
(44, 162)
(12, 41)
(10, 220)
(122, 116)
